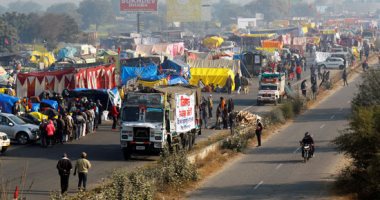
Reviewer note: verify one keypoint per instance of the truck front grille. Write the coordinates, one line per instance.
(141, 134)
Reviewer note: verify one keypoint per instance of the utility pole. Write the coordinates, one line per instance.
(138, 22)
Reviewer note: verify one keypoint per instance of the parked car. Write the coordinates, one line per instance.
(17, 129)
(332, 63)
(5, 142)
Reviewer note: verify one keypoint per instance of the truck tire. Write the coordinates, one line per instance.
(341, 67)
(258, 103)
(280, 99)
(275, 102)
(127, 153)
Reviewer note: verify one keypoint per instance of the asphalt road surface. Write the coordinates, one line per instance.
(33, 169)
(276, 170)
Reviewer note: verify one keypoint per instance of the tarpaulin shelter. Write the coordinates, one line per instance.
(234, 65)
(47, 58)
(174, 80)
(213, 42)
(66, 52)
(271, 44)
(49, 103)
(169, 49)
(107, 97)
(175, 67)
(143, 72)
(34, 83)
(216, 76)
(39, 116)
(7, 102)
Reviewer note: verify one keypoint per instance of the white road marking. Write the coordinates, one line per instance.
(278, 166)
(258, 185)
(297, 150)
(322, 126)
(332, 117)
(246, 108)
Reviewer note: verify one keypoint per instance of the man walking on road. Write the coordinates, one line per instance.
(210, 106)
(64, 167)
(344, 77)
(259, 129)
(82, 166)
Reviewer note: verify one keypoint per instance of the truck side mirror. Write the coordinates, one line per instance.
(167, 121)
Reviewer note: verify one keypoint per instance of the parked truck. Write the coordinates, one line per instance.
(155, 118)
(271, 88)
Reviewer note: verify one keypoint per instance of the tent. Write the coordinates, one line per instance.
(130, 72)
(175, 67)
(49, 103)
(7, 102)
(213, 42)
(107, 97)
(216, 76)
(34, 83)
(174, 80)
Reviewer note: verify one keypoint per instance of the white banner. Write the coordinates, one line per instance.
(185, 113)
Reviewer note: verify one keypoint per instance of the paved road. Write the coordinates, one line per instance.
(103, 150)
(276, 170)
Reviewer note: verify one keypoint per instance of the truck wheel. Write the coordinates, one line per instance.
(341, 67)
(258, 103)
(275, 102)
(126, 154)
(280, 99)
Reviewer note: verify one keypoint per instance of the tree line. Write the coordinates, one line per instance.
(360, 142)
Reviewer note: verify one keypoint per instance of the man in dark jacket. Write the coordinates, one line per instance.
(237, 83)
(259, 130)
(229, 84)
(307, 139)
(64, 167)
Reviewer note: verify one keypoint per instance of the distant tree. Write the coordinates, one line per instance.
(70, 9)
(226, 12)
(96, 12)
(55, 28)
(24, 7)
(8, 37)
(26, 25)
(303, 10)
(3, 9)
(369, 93)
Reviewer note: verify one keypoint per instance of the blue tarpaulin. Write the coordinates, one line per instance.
(145, 72)
(7, 102)
(175, 67)
(35, 107)
(173, 80)
(66, 52)
(51, 103)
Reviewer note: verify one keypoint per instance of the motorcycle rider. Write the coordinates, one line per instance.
(307, 139)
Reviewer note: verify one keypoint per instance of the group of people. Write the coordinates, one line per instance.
(79, 118)
(81, 168)
(224, 112)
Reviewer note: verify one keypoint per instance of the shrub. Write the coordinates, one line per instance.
(298, 105)
(287, 110)
(239, 140)
(276, 116)
(140, 186)
(174, 169)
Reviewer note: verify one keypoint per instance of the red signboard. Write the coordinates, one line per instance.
(138, 5)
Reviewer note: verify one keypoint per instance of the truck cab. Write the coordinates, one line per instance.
(271, 88)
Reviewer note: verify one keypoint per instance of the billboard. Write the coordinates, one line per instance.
(185, 113)
(138, 5)
(184, 10)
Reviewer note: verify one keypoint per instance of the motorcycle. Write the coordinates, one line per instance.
(307, 154)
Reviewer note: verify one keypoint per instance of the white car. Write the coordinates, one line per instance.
(5, 142)
(332, 63)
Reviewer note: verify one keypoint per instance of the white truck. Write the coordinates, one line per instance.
(271, 88)
(155, 118)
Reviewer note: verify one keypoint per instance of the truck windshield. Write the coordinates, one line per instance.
(154, 115)
(130, 114)
(268, 87)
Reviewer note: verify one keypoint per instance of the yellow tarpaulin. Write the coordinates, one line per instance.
(213, 42)
(39, 116)
(42, 57)
(269, 50)
(328, 32)
(305, 29)
(163, 81)
(266, 35)
(216, 76)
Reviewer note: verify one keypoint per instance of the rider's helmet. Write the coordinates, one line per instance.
(307, 134)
